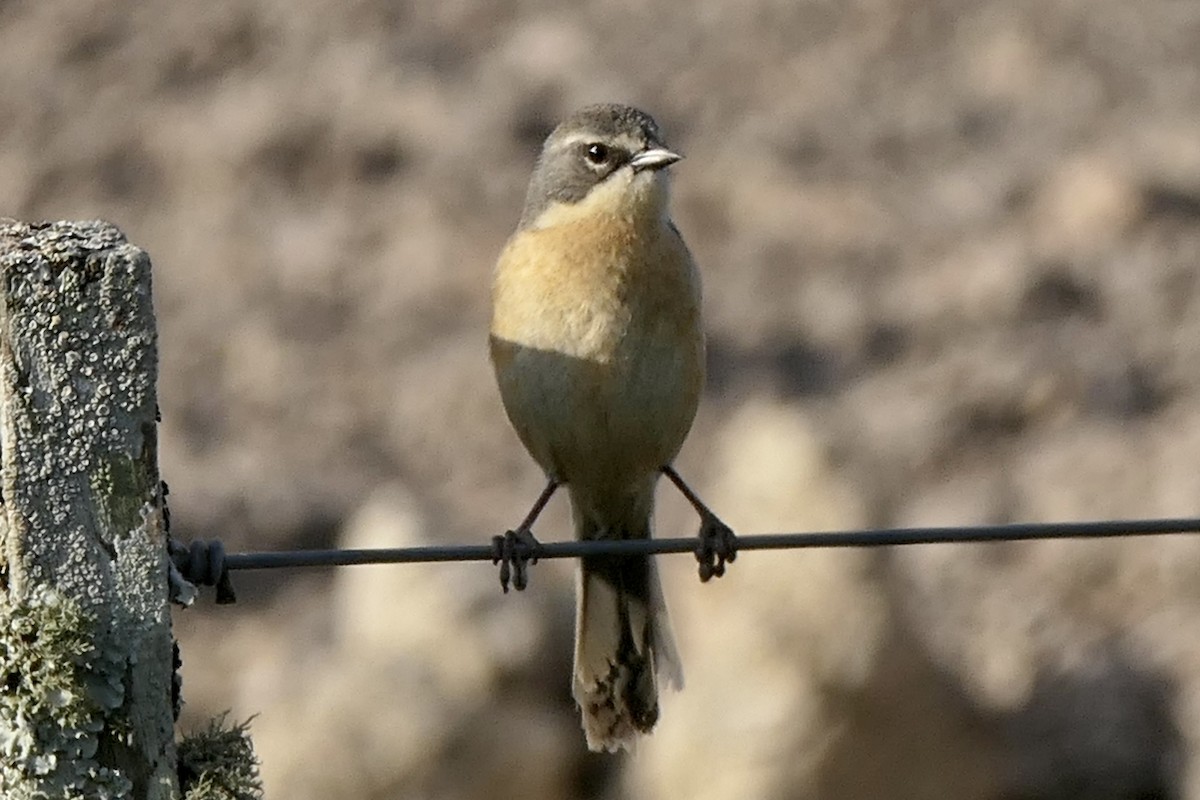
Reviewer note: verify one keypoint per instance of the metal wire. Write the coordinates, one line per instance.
(877, 537)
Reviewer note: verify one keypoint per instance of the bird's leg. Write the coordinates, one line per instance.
(718, 542)
(514, 550)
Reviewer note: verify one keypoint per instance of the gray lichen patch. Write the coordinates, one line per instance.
(60, 693)
(80, 488)
(78, 369)
(218, 763)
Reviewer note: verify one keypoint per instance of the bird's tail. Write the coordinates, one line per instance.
(624, 648)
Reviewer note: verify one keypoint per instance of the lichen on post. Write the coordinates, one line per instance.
(85, 639)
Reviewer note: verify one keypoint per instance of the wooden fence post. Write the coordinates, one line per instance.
(85, 639)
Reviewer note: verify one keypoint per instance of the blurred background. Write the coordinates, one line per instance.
(950, 250)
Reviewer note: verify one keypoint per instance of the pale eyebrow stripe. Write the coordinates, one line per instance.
(624, 139)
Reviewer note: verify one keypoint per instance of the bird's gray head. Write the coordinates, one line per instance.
(595, 145)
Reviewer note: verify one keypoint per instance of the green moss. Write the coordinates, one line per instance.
(120, 488)
(58, 692)
(218, 763)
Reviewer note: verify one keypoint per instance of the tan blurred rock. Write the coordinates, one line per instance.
(1084, 206)
(407, 694)
(763, 645)
(449, 616)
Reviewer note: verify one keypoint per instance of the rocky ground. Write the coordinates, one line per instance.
(950, 251)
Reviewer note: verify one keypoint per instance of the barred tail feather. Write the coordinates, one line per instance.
(624, 649)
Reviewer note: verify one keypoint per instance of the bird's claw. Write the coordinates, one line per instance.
(717, 546)
(514, 552)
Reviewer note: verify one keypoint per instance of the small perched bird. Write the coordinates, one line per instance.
(598, 347)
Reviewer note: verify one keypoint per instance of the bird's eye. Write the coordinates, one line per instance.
(597, 153)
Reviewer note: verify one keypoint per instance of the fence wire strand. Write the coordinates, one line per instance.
(875, 537)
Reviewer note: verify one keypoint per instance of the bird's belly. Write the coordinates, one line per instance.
(601, 423)
(598, 348)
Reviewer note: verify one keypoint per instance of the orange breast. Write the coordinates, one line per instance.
(598, 346)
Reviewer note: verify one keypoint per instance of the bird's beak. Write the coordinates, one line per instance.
(654, 158)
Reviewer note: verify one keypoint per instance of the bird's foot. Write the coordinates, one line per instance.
(717, 546)
(514, 552)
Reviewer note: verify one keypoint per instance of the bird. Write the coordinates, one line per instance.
(598, 349)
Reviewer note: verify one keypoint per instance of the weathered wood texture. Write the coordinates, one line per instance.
(85, 640)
